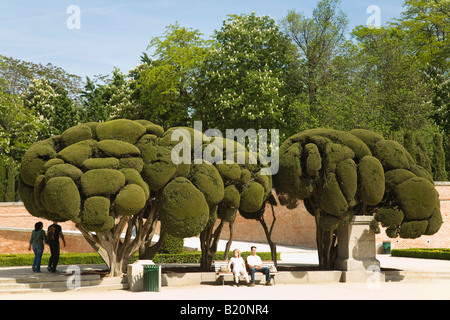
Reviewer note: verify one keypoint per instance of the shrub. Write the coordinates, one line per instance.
(425, 253)
(11, 260)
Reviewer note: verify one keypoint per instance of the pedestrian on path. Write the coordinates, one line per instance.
(37, 242)
(54, 232)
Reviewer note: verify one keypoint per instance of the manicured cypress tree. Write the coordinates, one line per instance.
(341, 174)
(119, 177)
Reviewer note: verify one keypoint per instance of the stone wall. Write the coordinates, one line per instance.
(292, 228)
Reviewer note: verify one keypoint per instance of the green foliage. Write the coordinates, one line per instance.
(54, 106)
(389, 217)
(417, 198)
(101, 182)
(11, 260)
(130, 200)
(425, 253)
(319, 40)
(183, 209)
(120, 129)
(172, 245)
(249, 77)
(439, 173)
(208, 180)
(96, 210)
(61, 197)
(87, 181)
(188, 196)
(165, 85)
(379, 178)
(371, 180)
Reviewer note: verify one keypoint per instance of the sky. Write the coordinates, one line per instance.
(91, 37)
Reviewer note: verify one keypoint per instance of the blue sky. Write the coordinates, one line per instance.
(116, 32)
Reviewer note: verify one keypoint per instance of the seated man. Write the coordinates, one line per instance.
(255, 264)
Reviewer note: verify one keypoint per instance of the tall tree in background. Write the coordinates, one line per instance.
(395, 84)
(428, 27)
(55, 109)
(320, 40)
(164, 87)
(93, 102)
(106, 98)
(18, 130)
(19, 74)
(249, 76)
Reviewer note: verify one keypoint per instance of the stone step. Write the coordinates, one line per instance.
(101, 287)
(416, 276)
(59, 284)
(45, 278)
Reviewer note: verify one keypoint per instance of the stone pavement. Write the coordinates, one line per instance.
(433, 288)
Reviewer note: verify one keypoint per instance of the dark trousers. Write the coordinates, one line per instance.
(54, 257)
(264, 270)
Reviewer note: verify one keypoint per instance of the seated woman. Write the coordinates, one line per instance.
(238, 267)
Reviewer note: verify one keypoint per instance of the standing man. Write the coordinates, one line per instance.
(255, 264)
(54, 232)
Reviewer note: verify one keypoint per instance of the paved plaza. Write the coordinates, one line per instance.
(433, 288)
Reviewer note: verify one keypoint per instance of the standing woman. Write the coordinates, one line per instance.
(37, 241)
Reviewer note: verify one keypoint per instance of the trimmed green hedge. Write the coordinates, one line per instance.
(26, 259)
(425, 253)
(10, 260)
(195, 256)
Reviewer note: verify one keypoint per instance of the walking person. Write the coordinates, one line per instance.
(255, 264)
(238, 267)
(37, 242)
(54, 232)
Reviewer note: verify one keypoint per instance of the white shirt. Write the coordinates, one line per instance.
(254, 260)
(238, 264)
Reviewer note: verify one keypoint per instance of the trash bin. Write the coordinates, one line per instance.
(386, 247)
(152, 278)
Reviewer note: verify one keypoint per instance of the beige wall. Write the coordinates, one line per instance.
(292, 227)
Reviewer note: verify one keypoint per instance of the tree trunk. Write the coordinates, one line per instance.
(116, 250)
(326, 248)
(230, 240)
(272, 245)
(208, 243)
(148, 251)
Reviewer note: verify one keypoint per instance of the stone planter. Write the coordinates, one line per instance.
(356, 246)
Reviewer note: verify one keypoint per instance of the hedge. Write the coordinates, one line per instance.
(425, 253)
(10, 260)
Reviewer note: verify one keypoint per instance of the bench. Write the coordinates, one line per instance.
(224, 263)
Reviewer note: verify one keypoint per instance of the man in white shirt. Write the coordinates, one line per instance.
(255, 264)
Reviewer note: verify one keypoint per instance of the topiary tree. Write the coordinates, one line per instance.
(119, 177)
(245, 188)
(341, 174)
(111, 178)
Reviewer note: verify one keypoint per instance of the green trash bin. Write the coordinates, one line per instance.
(152, 278)
(387, 247)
